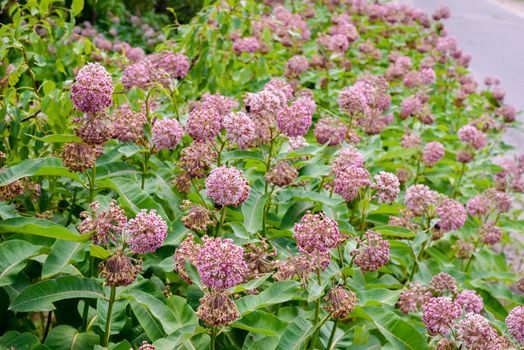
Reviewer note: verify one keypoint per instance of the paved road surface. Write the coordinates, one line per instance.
(492, 31)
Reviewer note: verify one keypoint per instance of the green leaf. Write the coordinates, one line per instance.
(13, 258)
(182, 311)
(118, 318)
(42, 295)
(149, 323)
(295, 334)
(397, 154)
(18, 341)
(77, 7)
(294, 213)
(261, 322)
(36, 167)
(57, 138)
(394, 231)
(40, 227)
(61, 255)
(377, 296)
(99, 252)
(276, 293)
(253, 211)
(399, 333)
(65, 337)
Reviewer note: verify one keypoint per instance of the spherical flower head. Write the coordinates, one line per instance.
(220, 263)
(501, 201)
(120, 270)
(452, 215)
(11, 191)
(428, 76)
(222, 104)
(167, 133)
(419, 197)
(439, 314)
(240, 129)
(472, 136)
(464, 156)
(443, 282)
(387, 187)
(413, 297)
(353, 99)
(197, 217)
(94, 129)
(128, 125)
(295, 120)
(490, 234)
(330, 130)
(216, 309)
(137, 74)
(278, 85)
(478, 206)
(346, 158)
(410, 106)
(300, 266)
(372, 252)
(463, 249)
(475, 332)
(227, 186)
(248, 44)
(174, 64)
(79, 156)
(470, 301)
(340, 302)
(515, 324)
(135, 54)
(188, 251)
(410, 140)
(433, 152)
(316, 233)
(296, 65)
(442, 12)
(147, 232)
(92, 90)
(204, 123)
(105, 225)
(146, 346)
(349, 180)
(282, 174)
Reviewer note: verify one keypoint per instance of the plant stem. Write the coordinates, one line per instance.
(471, 257)
(47, 325)
(85, 314)
(145, 163)
(268, 162)
(109, 314)
(459, 180)
(415, 263)
(317, 310)
(213, 338)
(221, 222)
(332, 336)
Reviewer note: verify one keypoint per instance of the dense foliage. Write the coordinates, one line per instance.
(299, 175)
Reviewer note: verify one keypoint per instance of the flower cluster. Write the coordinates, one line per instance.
(227, 186)
(316, 233)
(372, 252)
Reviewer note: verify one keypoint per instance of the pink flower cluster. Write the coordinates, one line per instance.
(330, 130)
(452, 215)
(470, 301)
(296, 119)
(316, 233)
(515, 324)
(146, 232)
(288, 27)
(433, 152)
(167, 133)
(227, 186)
(105, 225)
(240, 129)
(92, 90)
(439, 313)
(472, 136)
(248, 44)
(419, 197)
(387, 186)
(372, 252)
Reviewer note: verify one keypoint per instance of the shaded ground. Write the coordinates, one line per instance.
(492, 31)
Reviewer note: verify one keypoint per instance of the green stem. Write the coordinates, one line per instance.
(268, 162)
(459, 180)
(85, 313)
(317, 310)
(145, 164)
(332, 336)
(415, 263)
(219, 153)
(221, 221)
(109, 314)
(213, 338)
(471, 257)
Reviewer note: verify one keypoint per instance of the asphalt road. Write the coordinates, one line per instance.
(492, 31)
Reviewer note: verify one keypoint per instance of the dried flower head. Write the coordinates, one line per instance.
(463, 249)
(120, 270)
(217, 309)
(128, 125)
(413, 297)
(10, 191)
(146, 346)
(490, 234)
(79, 156)
(439, 314)
(282, 174)
(93, 89)
(147, 232)
(94, 129)
(188, 250)
(372, 252)
(220, 263)
(443, 282)
(340, 302)
(259, 258)
(227, 186)
(197, 217)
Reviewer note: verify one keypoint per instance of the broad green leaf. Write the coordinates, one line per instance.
(36, 167)
(17, 340)
(261, 322)
(77, 7)
(295, 334)
(64, 337)
(399, 333)
(99, 252)
(394, 231)
(118, 319)
(13, 258)
(183, 313)
(42, 295)
(57, 138)
(149, 323)
(40, 227)
(294, 214)
(253, 211)
(276, 293)
(377, 296)
(62, 252)
(8, 211)
(397, 154)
